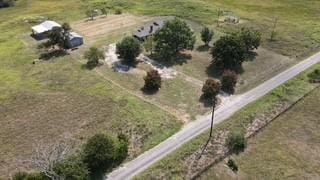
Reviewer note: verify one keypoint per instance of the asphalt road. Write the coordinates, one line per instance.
(132, 168)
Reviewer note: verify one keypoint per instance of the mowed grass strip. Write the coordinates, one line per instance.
(174, 166)
(288, 148)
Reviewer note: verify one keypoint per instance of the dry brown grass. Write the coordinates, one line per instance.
(106, 24)
(288, 148)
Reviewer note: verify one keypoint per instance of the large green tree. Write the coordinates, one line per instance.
(129, 49)
(174, 37)
(250, 39)
(59, 36)
(99, 152)
(228, 53)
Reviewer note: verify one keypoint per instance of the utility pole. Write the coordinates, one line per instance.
(214, 100)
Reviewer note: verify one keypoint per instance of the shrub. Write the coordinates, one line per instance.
(152, 81)
(314, 76)
(206, 35)
(236, 142)
(102, 151)
(228, 81)
(93, 56)
(72, 169)
(232, 165)
(118, 11)
(99, 152)
(29, 176)
(211, 88)
(122, 147)
(128, 49)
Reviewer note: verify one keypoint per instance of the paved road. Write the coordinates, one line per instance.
(197, 127)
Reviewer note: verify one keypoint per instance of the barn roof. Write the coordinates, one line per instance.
(149, 29)
(45, 26)
(73, 35)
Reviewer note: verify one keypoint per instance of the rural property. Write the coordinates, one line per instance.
(159, 89)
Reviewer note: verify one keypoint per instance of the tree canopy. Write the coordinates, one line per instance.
(129, 49)
(229, 81)
(152, 81)
(59, 36)
(174, 37)
(99, 152)
(211, 88)
(93, 56)
(230, 51)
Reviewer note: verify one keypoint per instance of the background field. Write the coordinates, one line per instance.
(287, 149)
(60, 99)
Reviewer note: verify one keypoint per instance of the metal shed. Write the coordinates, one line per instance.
(75, 40)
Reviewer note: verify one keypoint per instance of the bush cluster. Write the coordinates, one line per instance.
(211, 88)
(152, 81)
(236, 142)
(232, 165)
(98, 154)
(229, 81)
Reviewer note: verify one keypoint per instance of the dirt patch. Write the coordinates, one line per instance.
(265, 118)
(145, 63)
(103, 25)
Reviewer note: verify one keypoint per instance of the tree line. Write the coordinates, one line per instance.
(99, 154)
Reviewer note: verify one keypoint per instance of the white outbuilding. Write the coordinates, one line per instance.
(43, 28)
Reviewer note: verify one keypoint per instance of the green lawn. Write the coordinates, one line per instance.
(175, 166)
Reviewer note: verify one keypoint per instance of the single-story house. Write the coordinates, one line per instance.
(75, 40)
(148, 29)
(42, 29)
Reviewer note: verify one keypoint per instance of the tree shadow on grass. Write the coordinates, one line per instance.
(149, 92)
(207, 102)
(251, 55)
(216, 72)
(53, 54)
(203, 48)
(90, 67)
(179, 59)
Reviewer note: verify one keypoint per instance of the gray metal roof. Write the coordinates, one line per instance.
(149, 29)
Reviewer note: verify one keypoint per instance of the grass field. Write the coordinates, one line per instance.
(175, 166)
(59, 98)
(286, 149)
